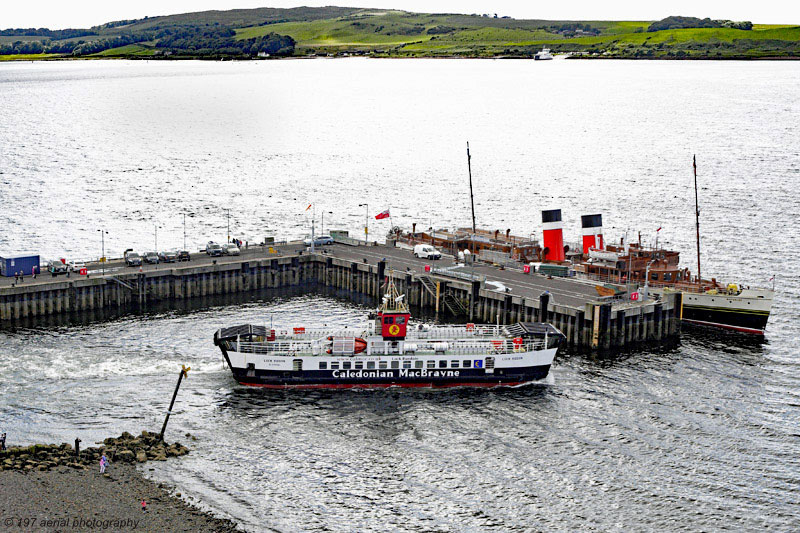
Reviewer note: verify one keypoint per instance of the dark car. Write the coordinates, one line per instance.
(132, 259)
(151, 258)
(213, 249)
(167, 257)
(183, 255)
(57, 267)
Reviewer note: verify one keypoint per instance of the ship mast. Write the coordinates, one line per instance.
(471, 197)
(697, 218)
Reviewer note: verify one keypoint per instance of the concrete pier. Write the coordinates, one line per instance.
(507, 296)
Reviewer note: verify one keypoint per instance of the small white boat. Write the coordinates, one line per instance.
(543, 55)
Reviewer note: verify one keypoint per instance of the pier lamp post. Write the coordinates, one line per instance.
(228, 212)
(184, 231)
(155, 237)
(322, 229)
(366, 223)
(103, 234)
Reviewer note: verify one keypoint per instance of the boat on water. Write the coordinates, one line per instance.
(542, 55)
(706, 302)
(390, 352)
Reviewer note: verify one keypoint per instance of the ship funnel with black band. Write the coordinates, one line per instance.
(552, 235)
(592, 229)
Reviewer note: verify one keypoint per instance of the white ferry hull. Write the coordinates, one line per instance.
(380, 371)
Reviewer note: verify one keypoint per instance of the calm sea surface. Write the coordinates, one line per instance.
(703, 435)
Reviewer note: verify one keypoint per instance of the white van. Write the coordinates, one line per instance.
(426, 251)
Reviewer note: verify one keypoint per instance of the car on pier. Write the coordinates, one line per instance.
(167, 257)
(213, 249)
(426, 251)
(132, 259)
(151, 258)
(184, 255)
(230, 249)
(57, 267)
(76, 266)
(320, 240)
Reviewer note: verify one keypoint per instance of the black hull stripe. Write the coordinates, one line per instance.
(731, 319)
(725, 310)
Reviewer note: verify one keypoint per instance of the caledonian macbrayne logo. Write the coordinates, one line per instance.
(394, 329)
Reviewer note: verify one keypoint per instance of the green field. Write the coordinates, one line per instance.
(339, 30)
(29, 57)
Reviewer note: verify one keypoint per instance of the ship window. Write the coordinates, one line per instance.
(370, 365)
(359, 365)
(388, 320)
(323, 365)
(442, 364)
(401, 320)
(346, 365)
(382, 364)
(395, 364)
(453, 364)
(430, 364)
(667, 276)
(418, 364)
(466, 363)
(334, 365)
(654, 276)
(406, 364)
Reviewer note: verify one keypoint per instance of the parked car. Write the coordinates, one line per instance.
(56, 267)
(213, 249)
(76, 266)
(230, 249)
(184, 255)
(151, 258)
(426, 251)
(132, 259)
(319, 240)
(167, 257)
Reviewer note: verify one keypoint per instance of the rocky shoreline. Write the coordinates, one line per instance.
(50, 488)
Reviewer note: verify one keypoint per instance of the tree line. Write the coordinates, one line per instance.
(180, 40)
(677, 23)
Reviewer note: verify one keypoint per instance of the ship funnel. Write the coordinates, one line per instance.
(552, 235)
(592, 229)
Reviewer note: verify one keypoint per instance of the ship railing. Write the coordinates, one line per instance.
(317, 333)
(475, 347)
(454, 332)
(272, 347)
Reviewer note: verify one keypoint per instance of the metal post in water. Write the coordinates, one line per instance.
(471, 198)
(183, 374)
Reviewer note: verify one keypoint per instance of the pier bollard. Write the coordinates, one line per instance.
(544, 301)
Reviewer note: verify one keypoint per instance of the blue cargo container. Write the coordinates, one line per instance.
(25, 263)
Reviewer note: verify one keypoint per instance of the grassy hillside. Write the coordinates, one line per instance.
(340, 30)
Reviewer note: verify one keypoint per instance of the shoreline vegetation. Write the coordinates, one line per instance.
(267, 33)
(51, 488)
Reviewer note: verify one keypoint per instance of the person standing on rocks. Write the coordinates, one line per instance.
(144, 506)
(2, 442)
(103, 463)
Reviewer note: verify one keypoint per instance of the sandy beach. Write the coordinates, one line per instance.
(68, 499)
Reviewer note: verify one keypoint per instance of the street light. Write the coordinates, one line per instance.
(184, 231)
(322, 230)
(103, 234)
(366, 224)
(228, 212)
(155, 237)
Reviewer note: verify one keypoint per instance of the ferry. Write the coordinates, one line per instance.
(542, 55)
(390, 352)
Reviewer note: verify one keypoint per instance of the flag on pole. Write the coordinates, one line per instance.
(309, 207)
(382, 214)
(659, 229)
(772, 278)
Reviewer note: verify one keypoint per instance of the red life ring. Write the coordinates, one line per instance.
(517, 342)
(470, 327)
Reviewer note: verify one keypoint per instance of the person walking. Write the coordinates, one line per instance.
(16, 277)
(103, 463)
(144, 506)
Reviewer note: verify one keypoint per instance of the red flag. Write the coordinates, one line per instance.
(659, 229)
(309, 207)
(382, 214)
